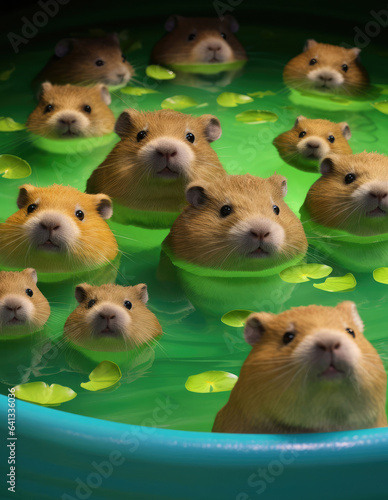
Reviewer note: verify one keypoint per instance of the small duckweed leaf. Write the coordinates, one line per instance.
(159, 73)
(137, 91)
(231, 100)
(212, 381)
(105, 375)
(303, 273)
(44, 394)
(179, 102)
(254, 116)
(236, 318)
(13, 167)
(381, 275)
(4, 75)
(7, 124)
(381, 106)
(261, 94)
(345, 283)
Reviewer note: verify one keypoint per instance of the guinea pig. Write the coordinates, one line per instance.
(58, 229)
(69, 111)
(327, 68)
(111, 318)
(159, 153)
(309, 141)
(310, 370)
(86, 61)
(351, 194)
(191, 40)
(23, 307)
(238, 222)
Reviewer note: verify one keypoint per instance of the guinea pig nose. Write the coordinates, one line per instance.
(13, 307)
(214, 48)
(67, 121)
(49, 226)
(325, 78)
(260, 235)
(166, 154)
(330, 346)
(121, 75)
(379, 195)
(107, 316)
(313, 145)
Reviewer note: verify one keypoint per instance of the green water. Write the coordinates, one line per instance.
(195, 340)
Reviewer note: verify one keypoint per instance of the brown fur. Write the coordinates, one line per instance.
(274, 394)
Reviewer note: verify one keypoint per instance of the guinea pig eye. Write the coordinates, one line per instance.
(29, 292)
(302, 134)
(123, 57)
(140, 136)
(331, 138)
(31, 208)
(191, 37)
(345, 67)
(225, 210)
(99, 62)
(288, 337)
(276, 209)
(190, 137)
(80, 215)
(91, 303)
(312, 62)
(349, 330)
(48, 108)
(349, 178)
(223, 35)
(87, 109)
(128, 304)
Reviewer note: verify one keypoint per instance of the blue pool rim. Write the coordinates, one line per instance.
(57, 453)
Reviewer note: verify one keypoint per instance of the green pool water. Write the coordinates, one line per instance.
(194, 338)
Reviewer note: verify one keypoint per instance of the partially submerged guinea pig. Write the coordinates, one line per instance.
(351, 194)
(309, 141)
(238, 222)
(69, 111)
(111, 318)
(23, 308)
(58, 229)
(159, 153)
(191, 40)
(310, 370)
(85, 61)
(327, 68)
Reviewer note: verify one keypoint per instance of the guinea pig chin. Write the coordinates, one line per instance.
(68, 125)
(324, 79)
(167, 158)
(109, 321)
(313, 148)
(258, 237)
(212, 50)
(15, 311)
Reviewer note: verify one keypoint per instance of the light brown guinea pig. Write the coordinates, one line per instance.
(310, 370)
(86, 61)
(327, 68)
(351, 194)
(159, 153)
(58, 229)
(23, 307)
(309, 141)
(111, 318)
(69, 111)
(237, 222)
(191, 40)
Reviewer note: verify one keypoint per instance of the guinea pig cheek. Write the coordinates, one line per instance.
(212, 50)
(167, 158)
(313, 148)
(68, 124)
(325, 78)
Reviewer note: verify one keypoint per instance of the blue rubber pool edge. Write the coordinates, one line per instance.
(65, 456)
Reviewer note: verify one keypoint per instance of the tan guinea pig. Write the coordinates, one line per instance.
(111, 318)
(159, 153)
(238, 222)
(327, 68)
(310, 370)
(351, 194)
(86, 61)
(68, 112)
(309, 141)
(58, 229)
(191, 40)
(23, 307)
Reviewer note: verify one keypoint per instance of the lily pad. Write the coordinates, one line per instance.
(7, 124)
(44, 394)
(159, 73)
(212, 381)
(236, 318)
(303, 273)
(381, 106)
(138, 91)
(381, 275)
(105, 375)
(254, 116)
(261, 94)
(13, 167)
(4, 75)
(345, 283)
(231, 100)
(179, 102)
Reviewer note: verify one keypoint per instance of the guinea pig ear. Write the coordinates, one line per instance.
(298, 119)
(281, 182)
(196, 195)
(104, 205)
(350, 308)
(326, 166)
(213, 129)
(113, 37)
(64, 46)
(24, 195)
(104, 92)
(123, 124)
(345, 129)
(232, 23)
(81, 292)
(172, 22)
(355, 51)
(143, 292)
(31, 273)
(255, 327)
(45, 87)
(309, 44)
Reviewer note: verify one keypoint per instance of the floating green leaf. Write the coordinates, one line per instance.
(7, 124)
(345, 283)
(303, 273)
(236, 318)
(105, 375)
(179, 102)
(381, 275)
(261, 94)
(43, 394)
(137, 91)
(212, 381)
(13, 167)
(231, 100)
(254, 116)
(159, 73)
(4, 75)
(381, 106)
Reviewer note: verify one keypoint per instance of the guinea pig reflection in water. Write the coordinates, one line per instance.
(111, 318)
(310, 370)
